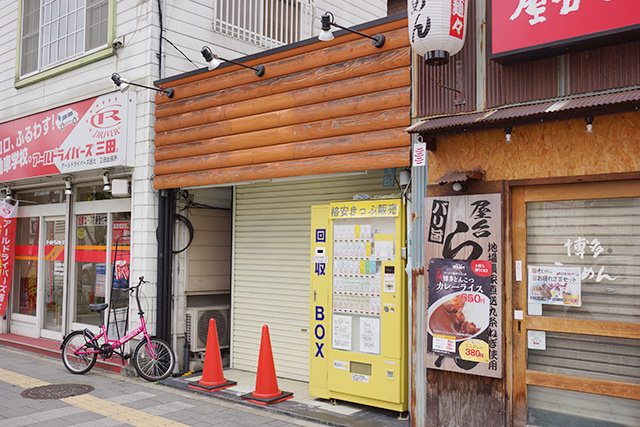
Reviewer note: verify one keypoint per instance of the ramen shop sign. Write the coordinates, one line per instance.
(529, 28)
(464, 293)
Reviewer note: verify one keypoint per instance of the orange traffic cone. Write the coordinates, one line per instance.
(267, 390)
(212, 377)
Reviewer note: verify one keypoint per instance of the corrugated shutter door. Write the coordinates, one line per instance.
(271, 266)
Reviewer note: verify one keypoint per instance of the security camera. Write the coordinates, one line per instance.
(118, 42)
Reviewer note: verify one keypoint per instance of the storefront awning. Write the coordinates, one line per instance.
(557, 109)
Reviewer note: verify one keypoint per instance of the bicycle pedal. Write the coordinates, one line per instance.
(127, 356)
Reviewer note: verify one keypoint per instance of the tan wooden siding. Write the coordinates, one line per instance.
(320, 108)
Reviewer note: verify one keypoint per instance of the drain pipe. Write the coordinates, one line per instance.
(164, 267)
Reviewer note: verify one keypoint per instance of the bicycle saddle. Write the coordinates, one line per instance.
(98, 307)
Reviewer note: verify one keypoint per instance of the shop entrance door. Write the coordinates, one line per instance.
(576, 299)
(52, 291)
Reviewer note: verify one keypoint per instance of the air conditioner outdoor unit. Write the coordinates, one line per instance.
(197, 326)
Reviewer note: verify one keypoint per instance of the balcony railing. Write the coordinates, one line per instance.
(265, 23)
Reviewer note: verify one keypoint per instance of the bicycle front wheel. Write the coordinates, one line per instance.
(77, 354)
(153, 363)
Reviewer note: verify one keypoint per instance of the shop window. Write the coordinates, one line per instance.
(57, 31)
(25, 291)
(93, 274)
(582, 266)
(40, 197)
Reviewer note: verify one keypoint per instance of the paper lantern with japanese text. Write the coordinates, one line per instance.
(437, 28)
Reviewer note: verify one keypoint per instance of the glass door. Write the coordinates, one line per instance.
(53, 278)
(576, 299)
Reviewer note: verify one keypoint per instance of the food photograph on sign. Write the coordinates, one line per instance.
(554, 285)
(458, 311)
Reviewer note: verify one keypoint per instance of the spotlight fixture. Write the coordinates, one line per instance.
(459, 186)
(214, 61)
(589, 120)
(8, 197)
(106, 181)
(67, 186)
(507, 134)
(328, 21)
(124, 85)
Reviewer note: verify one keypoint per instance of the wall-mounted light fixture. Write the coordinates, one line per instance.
(67, 186)
(214, 61)
(124, 85)
(507, 134)
(106, 181)
(7, 194)
(328, 21)
(459, 187)
(589, 120)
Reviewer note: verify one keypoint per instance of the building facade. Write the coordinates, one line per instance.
(537, 115)
(69, 134)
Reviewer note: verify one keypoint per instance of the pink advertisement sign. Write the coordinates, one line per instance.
(89, 134)
(8, 214)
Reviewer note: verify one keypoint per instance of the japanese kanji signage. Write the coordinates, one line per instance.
(377, 208)
(519, 26)
(90, 134)
(8, 214)
(463, 249)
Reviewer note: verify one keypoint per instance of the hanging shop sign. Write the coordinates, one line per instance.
(523, 29)
(463, 249)
(437, 28)
(90, 134)
(8, 219)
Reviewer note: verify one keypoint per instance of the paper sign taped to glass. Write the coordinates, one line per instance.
(554, 285)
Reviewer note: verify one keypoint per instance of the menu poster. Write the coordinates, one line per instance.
(554, 285)
(370, 335)
(458, 310)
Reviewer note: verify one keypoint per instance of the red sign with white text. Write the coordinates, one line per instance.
(518, 25)
(89, 134)
(8, 218)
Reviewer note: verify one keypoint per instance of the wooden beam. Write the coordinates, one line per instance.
(394, 157)
(587, 327)
(362, 66)
(352, 124)
(359, 104)
(584, 385)
(281, 101)
(311, 60)
(369, 141)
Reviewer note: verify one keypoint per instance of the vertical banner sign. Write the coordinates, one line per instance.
(8, 219)
(463, 249)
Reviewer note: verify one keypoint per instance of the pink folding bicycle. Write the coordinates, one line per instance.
(152, 358)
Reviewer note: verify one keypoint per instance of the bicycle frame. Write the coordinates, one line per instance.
(117, 343)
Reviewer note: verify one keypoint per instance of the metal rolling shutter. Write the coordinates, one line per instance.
(271, 266)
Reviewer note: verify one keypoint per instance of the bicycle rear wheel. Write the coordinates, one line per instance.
(153, 368)
(75, 342)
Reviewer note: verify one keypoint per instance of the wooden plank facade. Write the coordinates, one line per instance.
(321, 107)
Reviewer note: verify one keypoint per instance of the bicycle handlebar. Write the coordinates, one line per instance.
(140, 282)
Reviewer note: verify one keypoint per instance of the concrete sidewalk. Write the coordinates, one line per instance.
(120, 400)
(115, 399)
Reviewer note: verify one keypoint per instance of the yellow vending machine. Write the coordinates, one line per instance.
(358, 348)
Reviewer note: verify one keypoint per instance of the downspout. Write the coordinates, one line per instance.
(165, 263)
